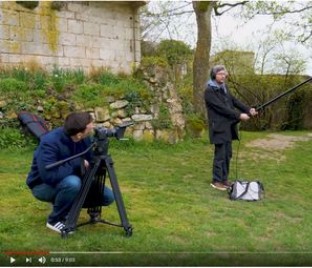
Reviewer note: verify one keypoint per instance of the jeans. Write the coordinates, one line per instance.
(221, 162)
(63, 195)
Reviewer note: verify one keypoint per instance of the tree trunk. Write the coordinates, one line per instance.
(203, 11)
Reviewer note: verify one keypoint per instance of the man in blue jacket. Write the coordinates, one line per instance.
(224, 112)
(61, 184)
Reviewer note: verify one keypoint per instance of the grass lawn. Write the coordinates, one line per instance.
(178, 219)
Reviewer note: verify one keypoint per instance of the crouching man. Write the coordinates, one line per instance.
(60, 185)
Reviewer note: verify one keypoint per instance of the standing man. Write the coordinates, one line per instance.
(61, 184)
(223, 119)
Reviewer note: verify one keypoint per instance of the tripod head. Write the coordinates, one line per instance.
(102, 134)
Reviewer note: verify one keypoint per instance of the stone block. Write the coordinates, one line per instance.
(75, 26)
(68, 39)
(137, 134)
(5, 32)
(139, 126)
(121, 113)
(148, 135)
(91, 29)
(141, 117)
(92, 53)
(101, 114)
(119, 104)
(8, 46)
(116, 121)
(74, 52)
(10, 17)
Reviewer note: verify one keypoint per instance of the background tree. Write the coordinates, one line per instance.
(296, 16)
(203, 11)
(299, 29)
(275, 54)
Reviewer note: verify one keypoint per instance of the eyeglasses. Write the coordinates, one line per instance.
(222, 73)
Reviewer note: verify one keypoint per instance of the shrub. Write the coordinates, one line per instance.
(12, 138)
(153, 61)
(12, 85)
(89, 94)
(108, 79)
(194, 125)
(174, 51)
(58, 79)
(163, 121)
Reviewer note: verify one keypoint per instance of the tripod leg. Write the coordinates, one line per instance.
(117, 194)
(74, 212)
(94, 198)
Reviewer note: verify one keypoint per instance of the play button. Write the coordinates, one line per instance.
(12, 260)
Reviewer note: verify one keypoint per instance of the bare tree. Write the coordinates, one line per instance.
(296, 16)
(204, 10)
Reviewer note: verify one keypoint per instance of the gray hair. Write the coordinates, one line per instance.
(215, 69)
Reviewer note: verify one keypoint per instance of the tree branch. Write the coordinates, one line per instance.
(229, 5)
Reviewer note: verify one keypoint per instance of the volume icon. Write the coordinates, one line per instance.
(42, 260)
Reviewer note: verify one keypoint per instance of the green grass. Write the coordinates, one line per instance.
(178, 218)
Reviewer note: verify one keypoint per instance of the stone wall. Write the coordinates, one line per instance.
(157, 118)
(144, 117)
(82, 34)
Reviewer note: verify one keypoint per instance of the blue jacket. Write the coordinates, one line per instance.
(55, 146)
(223, 115)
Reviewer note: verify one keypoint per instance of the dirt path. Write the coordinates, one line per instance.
(271, 147)
(278, 141)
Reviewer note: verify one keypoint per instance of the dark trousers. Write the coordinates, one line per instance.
(63, 195)
(221, 162)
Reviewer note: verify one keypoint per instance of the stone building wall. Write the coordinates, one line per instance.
(82, 34)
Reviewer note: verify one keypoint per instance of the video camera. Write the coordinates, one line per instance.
(117, 132)
(101, 135)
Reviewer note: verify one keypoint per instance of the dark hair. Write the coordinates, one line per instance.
(77, 122)
(215, 69)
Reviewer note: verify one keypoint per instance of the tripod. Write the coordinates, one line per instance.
(93, 182)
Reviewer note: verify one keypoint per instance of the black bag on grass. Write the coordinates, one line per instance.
(246, 190)
(33, 124)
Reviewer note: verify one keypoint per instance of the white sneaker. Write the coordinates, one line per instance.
(57, 227)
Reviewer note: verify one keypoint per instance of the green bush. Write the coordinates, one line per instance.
(163, 121)
(126, 87)
(58, 79)
(153, 61)
(194, 125)
(185, 92)
(174, 51)
(12, 138)
(39, 81)
(78, 76)
(12, 85)
(21, 74)
(108, 79)
(89, 94)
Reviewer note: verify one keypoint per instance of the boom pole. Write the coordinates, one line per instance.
(262, 106)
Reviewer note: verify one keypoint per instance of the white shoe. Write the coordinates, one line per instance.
(57, 227)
